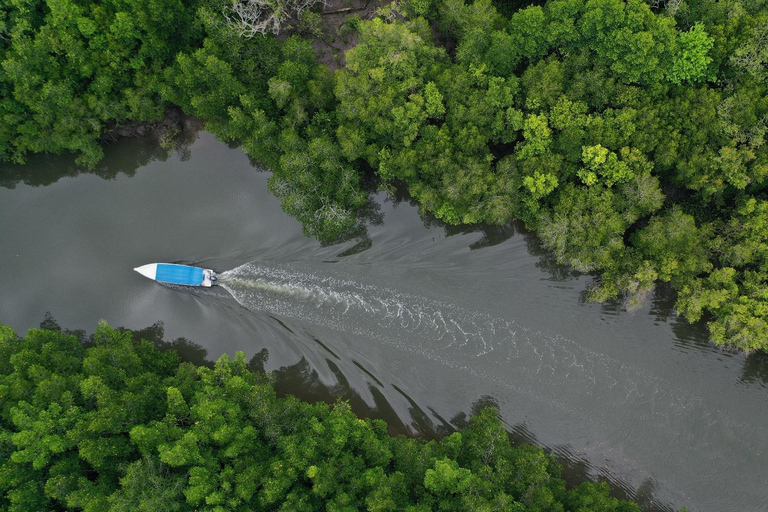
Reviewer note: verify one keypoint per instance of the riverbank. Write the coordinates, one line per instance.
(166, 129)
(183, 436)
(589, 382)
(484, 118)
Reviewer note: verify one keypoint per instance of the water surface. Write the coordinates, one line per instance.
(411, 321)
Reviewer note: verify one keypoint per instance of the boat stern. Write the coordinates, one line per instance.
(209, 276)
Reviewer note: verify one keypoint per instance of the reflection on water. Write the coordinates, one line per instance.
(688, 336)
(755, 370)
(491, 235)
(547, 262)
(188, 351)
(125, 158)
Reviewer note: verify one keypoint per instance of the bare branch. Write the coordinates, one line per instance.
(252, 17)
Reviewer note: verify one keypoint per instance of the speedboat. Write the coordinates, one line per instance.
(172, 273)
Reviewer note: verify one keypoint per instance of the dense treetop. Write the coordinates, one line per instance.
(630, 136)
(69, 70)
(115, 424)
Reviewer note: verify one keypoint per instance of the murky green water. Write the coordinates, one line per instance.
(413, 322)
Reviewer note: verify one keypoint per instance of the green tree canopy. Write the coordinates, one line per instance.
(119, 425)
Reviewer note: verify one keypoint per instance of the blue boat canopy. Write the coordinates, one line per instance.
(179, 274)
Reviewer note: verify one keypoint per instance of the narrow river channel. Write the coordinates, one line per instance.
(412, 321)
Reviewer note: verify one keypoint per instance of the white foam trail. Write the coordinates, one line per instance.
(547, 369)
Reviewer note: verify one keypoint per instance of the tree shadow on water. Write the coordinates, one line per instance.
(369, 214)
(663, 303)
(303, 381)
(755, 370)
(187, 350)
(688, 335)
(49, 323)
(125, 157)
(547, 260)
(461, 419)
(576, 469)
(491, 234)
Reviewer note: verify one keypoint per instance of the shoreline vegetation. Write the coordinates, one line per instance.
(629, 135)
(109, 422)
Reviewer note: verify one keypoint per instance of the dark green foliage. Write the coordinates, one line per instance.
(71, 70)
(414, 118)
(121, 426)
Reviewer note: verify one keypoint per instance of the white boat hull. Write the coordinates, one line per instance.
(172, 273)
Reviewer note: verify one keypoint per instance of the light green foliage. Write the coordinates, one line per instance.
(462, 21)
(434, 101)
(737, 294)
(733, 164)
(697, 140)
(413, 119)
(415, 8)
(595, 497)
(208, 81)
(585, 228)
(742, 321)
(447, 478)
(318, 187)
(73, 416)
(690, 62)
(528, 29)
(743, 240)
(277, 103)
(752, 55)
(499, 56)
(633, 42)
(474, 47)
(603, 166)
(742, 114)
(642, 194)
(673, 243)
(537, 137)
(712, 292)
(149, 486)
(539, 185)
(739, 301)
(39, 439)
(543, 84)
(381, 93)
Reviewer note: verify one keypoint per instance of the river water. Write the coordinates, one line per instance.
(411, 321)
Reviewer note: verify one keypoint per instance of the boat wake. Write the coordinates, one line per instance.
(380, 313)
(544, 368)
